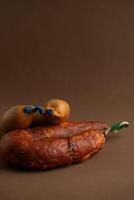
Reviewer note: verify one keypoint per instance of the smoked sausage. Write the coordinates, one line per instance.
(52, 146)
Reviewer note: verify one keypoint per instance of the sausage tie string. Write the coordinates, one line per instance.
(37, 108)
(116, 127)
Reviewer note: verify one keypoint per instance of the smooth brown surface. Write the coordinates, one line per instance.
(81, 51)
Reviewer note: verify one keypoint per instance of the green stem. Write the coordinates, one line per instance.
(116, 127)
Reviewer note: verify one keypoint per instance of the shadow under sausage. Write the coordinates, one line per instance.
(4, 166)
(22, 170)
(49, 170)
(113, 137)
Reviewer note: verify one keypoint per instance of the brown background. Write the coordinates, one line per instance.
(82, 51)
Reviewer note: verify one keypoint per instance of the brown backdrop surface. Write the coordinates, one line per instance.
(82, 51)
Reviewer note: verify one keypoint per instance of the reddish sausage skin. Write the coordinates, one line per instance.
(52, 146)
(67, 129)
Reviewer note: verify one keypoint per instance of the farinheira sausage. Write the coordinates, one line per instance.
(55, 111)
(15, 118)
(52, 146)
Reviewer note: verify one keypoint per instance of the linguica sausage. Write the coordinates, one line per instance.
(67, 129)
(52, 146)
(56, 145)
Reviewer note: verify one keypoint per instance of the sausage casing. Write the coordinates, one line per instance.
(52, 146)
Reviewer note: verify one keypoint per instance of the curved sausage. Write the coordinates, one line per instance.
(67, 129)
(52, 146)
